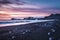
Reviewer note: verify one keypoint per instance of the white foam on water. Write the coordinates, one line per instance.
(22, 23)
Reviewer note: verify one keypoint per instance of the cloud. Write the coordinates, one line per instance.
(31, 6)
(14, 4)
(21, 6)
(11, 2)
(4, 2)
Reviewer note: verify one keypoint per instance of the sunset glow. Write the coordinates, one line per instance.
(27, 9)
(21, 14)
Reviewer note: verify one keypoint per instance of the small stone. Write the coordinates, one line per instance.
(13, 37)
(10, 31)
(50, 38)
(23, 32)
(48, 33)
(53, 30)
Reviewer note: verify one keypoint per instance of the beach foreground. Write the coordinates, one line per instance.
(33, 31)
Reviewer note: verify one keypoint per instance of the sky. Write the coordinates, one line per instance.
(28, 8)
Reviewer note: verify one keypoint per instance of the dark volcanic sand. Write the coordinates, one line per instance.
(34, 31)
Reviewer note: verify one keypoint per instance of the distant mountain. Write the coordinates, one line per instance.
(53, 16)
